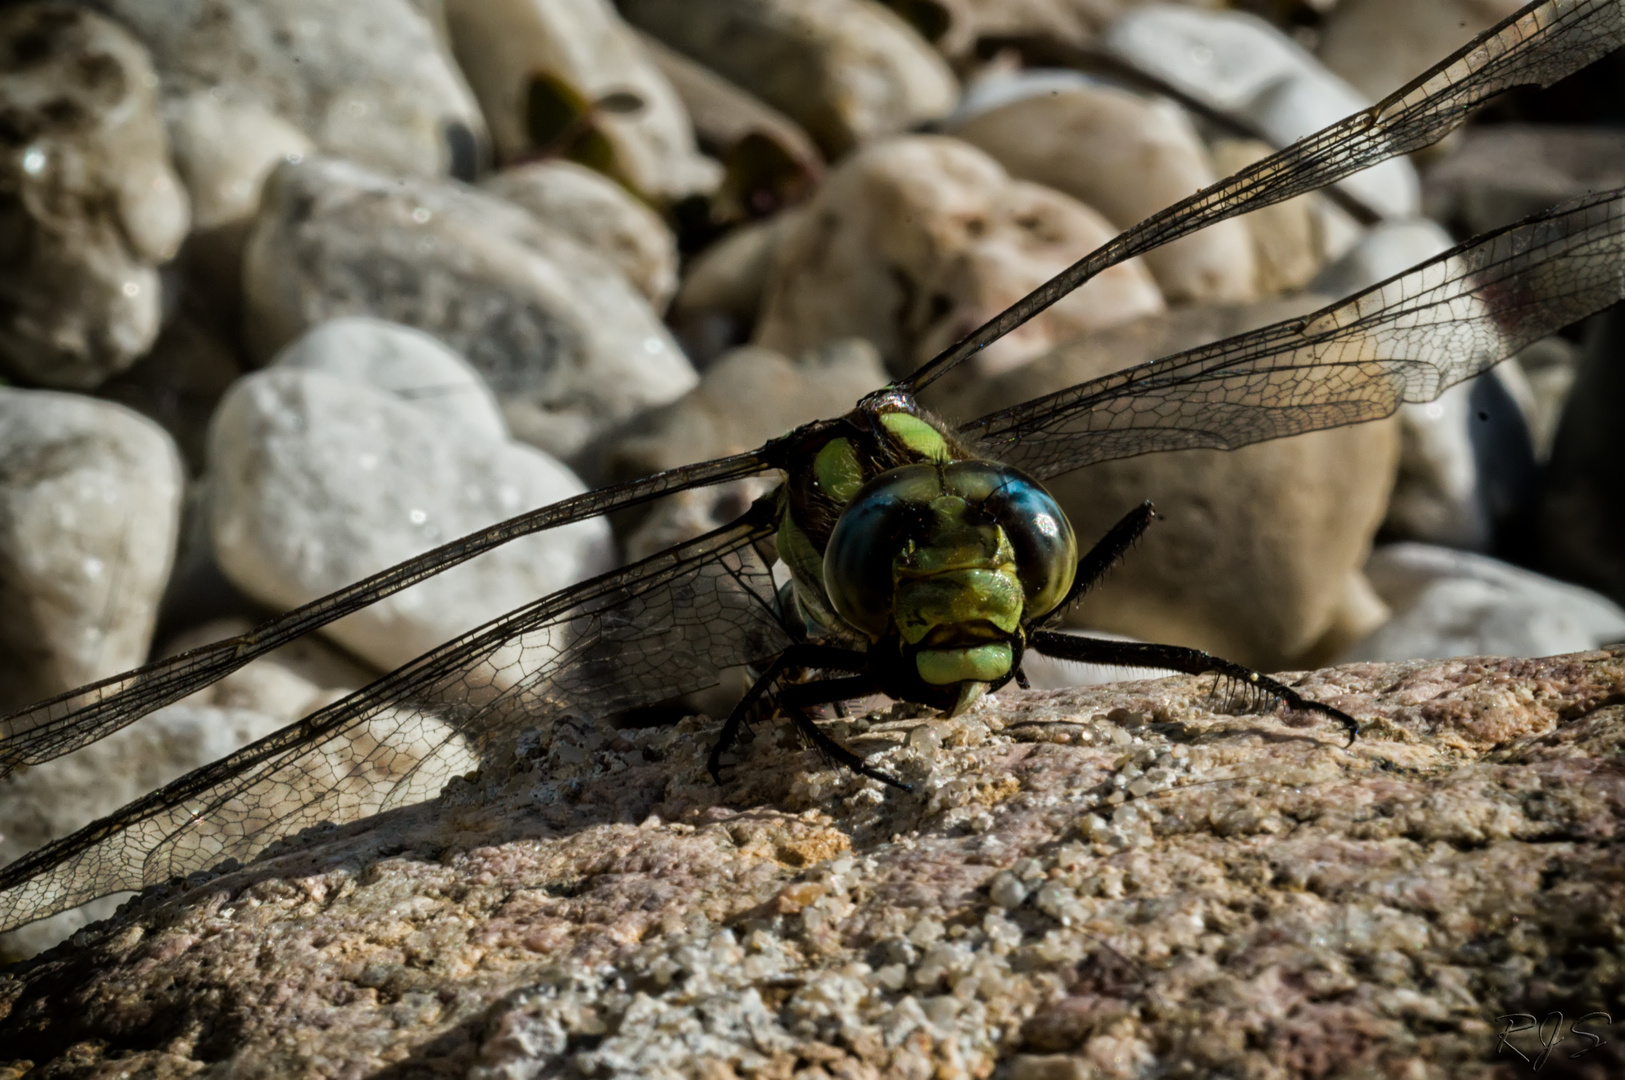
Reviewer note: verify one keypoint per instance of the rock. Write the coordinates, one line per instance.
(179, 382)
(561, 337)
(223, 152)
(1581, 515)
(847, 71)
(91, 206)
(914, 242)
(1338, 900)
(1292, 239)
(44, 802)
(317, 482)
(1258, 552)
(598, 213)
(285, 685)
(1453, 603)
(1247, 69)
(540, 66)
(1128, 157)
(768, 161)
(956, 26)
(90, 498)
(368, 80)
(402, 362)
(1386, 249)
(746, 398)
(1548, 366)
(1379, 45)
(721, 291)
(1494, 175)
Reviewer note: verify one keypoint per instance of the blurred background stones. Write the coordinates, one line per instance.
(379, 273)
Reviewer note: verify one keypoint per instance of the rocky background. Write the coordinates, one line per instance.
(296, 289)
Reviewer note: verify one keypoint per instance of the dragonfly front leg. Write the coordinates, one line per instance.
(1086, 650)
(796, 658)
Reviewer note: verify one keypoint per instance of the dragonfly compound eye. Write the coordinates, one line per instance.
(949, 555)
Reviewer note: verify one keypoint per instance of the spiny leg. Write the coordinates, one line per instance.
(1177, 658)
(807, 655)
(798, 698)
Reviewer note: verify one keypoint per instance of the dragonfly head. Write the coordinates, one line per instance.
(950, 560)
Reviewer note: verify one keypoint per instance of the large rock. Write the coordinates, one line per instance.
(400, 361)
(1454, 603)
(51, 800)
(539, 67)
(722, 288)
(90, 497)
(368, 80)
(566, 343)
(90, 205)
(846, 70)
(1126, 156)
(1245, 68)
(318, 481)
(600, 214)
(1091, 883)
(1258, 553)
(914, 242)
(1379, 45)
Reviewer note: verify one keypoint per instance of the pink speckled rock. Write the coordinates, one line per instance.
(1110, 881)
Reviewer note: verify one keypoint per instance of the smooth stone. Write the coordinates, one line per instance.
(1581, 516)
(1380, 45)
(1455, 603)
(768, 161)
(916, 241)
(747, 397)
(599, 213)
(565, 342)
(90, 497)
(580, 50)
(368, 80)
(1126, 156)
(1384, 250)
(48, 801)
(847, 71)
(298, 678)
(93, 206)
(317, 482)
(955, 27)
(721, 291)
(400, 361)
(224, 151)
(1244, 67)
(1496, 174)
(1258, 552)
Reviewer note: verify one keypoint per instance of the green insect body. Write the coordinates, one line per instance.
(898, 543)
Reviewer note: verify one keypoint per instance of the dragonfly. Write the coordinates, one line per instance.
(877, 514)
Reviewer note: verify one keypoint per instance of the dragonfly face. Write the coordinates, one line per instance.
(899, 540)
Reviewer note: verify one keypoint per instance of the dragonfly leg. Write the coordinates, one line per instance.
(1178, 658)
(798, 698)
(1104, 555)
(796, 657)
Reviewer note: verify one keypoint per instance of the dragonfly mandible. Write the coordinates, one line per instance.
(671, 623)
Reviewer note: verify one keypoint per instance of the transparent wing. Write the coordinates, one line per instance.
(1403, 340)
(664, 626)
(1537, 45)
(67, 722)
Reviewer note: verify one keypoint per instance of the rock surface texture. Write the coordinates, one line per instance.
(1108, 882)
(89, 204)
